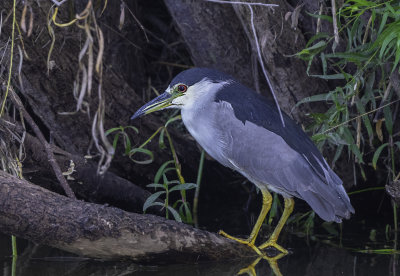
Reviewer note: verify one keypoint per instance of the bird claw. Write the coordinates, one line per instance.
(247, 242)
(257, 249)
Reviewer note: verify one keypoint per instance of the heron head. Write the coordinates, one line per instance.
(184, 90)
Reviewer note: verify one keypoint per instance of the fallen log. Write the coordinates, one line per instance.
(31, 212)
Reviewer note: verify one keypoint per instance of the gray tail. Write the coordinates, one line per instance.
(328, 199)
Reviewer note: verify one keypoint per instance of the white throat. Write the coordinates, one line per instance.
(198, 95)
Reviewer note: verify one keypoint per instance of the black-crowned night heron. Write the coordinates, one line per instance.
(243, 131)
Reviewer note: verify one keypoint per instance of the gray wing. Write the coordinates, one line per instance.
(269, 162)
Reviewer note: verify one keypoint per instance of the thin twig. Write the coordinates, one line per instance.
(140, 24)
(56, 168)
(253, 28)
(359, 116)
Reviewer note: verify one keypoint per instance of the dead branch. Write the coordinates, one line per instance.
(56, 168)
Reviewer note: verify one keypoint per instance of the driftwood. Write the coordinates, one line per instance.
(97, 231)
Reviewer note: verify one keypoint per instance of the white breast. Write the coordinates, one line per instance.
(199, 119)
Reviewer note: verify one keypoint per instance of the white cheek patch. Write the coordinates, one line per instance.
(199, 90)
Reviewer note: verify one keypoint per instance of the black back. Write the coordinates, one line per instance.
(250, 106)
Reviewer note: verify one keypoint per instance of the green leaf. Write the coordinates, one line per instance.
(386, 42)
(188, 213)
(161, 170)
(310, 52)
(161, 143)
(352, 146)
(155, 185)
(184, 186)
(349, 56)
(362, 3)
(366, 121)
(316, 98)
(377, 154)
(165, 180)
(133, 128)
(144, 151)
(397, 57)
(388, 119)
(316, 37)
(383, 22)
(338, 153)
(173, 119)
(324, 64)
(115, 140)
(330, 77)
(127, 143)
(112, 130)
(322, 16)
(151, 200)
(175, 214)
(319, 137)
(336, 139)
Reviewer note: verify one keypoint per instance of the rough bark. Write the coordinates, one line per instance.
(97, 231)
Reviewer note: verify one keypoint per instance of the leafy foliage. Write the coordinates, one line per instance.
(365, 68)
(163, 186)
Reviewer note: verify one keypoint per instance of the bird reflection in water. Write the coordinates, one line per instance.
(272, 261)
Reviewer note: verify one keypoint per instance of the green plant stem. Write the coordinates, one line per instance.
(14, 256)
(366, 190)
(177, 164)
(395, 217)
(393, 202)
(197, 192)
(166, 201)
(14, 266)
(14, 246)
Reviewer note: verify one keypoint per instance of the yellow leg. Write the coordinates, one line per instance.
(289, 204)
(267, 201)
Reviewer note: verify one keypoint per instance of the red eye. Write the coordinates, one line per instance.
(182, 88)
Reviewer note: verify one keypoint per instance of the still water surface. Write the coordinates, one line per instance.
(306, 258)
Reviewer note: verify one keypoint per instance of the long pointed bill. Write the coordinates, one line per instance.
(161, 102)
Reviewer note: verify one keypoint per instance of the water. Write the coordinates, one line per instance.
(317, 255)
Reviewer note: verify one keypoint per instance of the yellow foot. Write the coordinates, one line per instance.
(272, 243)
(247, 242)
